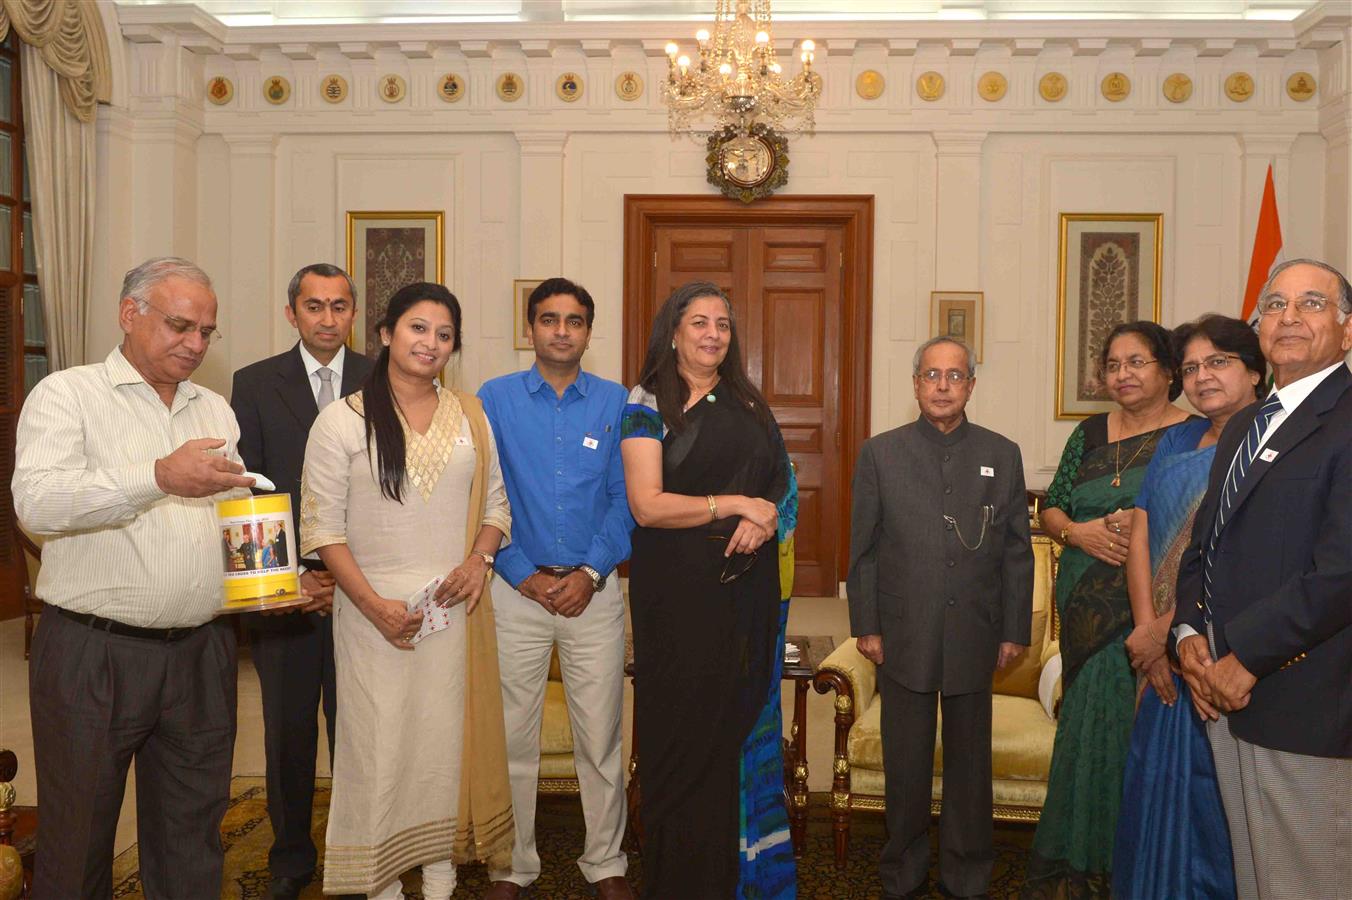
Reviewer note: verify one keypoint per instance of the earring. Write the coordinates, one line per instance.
(673, 345)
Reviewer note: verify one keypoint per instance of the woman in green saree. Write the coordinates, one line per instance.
(1089, 513)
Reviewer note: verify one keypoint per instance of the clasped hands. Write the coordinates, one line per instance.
(1216, 686)
(399, 625)
(759, 523)
(565, 596)
(1105, 538)
(1148, 657)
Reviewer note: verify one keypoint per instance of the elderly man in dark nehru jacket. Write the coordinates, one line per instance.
(941, 595)
(1264, 617)
(120, 463)
(276, 401)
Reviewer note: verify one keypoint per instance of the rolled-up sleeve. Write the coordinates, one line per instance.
(497, 511)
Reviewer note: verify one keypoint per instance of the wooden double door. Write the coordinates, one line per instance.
(797, 270)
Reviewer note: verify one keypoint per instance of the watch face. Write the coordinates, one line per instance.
(746, 160)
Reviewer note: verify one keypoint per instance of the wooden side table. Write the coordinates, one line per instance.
(812, 650)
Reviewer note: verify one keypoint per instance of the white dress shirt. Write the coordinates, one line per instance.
(84, 476)
(1291, 396)
(312, 367)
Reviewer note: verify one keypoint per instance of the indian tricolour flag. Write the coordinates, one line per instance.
(1267, 251)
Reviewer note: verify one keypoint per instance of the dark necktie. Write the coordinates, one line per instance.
(1239, 467)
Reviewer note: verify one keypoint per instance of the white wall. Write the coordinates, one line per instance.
(967, 193)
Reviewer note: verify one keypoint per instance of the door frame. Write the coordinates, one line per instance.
(853, 212)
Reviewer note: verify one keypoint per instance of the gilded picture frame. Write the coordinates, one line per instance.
(521, 289)
(959, 315)
(1109, 271)
(387, 250)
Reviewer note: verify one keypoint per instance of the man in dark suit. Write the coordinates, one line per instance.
(279, 554)
(941, 595)
(1263, 629)
(276, 401)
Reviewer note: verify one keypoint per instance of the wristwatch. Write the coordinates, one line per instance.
(598, 580)
(486, 557)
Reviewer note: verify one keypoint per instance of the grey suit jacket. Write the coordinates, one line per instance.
(942, 609)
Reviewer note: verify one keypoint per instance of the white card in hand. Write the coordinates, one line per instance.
(261, 482)
(435, 617)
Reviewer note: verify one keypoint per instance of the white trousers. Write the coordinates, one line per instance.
(438, 883)
(591, 657)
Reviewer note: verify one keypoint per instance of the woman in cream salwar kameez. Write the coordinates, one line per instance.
(401, 485)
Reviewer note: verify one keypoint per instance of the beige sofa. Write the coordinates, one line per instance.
(1022, 730)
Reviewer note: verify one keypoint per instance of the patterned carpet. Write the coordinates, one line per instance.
(247, 835)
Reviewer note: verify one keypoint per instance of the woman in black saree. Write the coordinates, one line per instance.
(704, 468)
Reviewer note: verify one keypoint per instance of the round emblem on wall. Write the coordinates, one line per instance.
(510, 87)
(220, 91)
(992, 86)
(568, 86)
(392, 88)
(1052, 87)
(451, 88)
(1239, 86)
(1115, 87)
(1177, 88)
(1300, 86)
(870, 84)
(276, 89)
(333, 88)
(930, 86)
(629, 86)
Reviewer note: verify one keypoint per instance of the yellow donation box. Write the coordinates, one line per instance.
(258, 550)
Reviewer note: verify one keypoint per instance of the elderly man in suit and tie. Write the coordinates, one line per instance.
(941, 595)
(1264, 623)
(276, 401)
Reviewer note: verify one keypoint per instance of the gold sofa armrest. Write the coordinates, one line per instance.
(855, 681)
(847, 663)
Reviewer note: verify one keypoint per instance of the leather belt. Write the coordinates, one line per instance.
(558, 571)
(167, 635)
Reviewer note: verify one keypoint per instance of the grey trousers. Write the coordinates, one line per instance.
(100, 701)
(1290, 818)
(966, 832)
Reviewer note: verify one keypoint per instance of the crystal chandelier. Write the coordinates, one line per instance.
(736, 79)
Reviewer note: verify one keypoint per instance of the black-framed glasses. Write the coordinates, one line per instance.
(734, 566)
(1135, 364)
(952, 376)
(183, 326)
(1216, 363)
(1274, 304)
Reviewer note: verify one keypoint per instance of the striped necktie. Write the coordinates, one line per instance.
(1239, 467)
(325, 387)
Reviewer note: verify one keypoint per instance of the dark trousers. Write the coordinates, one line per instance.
(97, 702)
(295, 671)
(966, 833)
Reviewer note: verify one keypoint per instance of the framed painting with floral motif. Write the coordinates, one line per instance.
(1108, 272)
(386, 251)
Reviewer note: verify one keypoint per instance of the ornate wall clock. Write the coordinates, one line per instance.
(748, 166)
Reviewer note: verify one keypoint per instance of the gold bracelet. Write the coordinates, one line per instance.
(1152, 634)
(713, 507)
(1065, 536)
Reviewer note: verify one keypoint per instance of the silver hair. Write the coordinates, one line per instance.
(139, 281)
(1344, 288)
(943, 339)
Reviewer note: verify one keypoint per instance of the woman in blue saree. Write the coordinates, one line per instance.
(1171, 832)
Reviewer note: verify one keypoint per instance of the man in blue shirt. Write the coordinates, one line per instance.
(557, 430)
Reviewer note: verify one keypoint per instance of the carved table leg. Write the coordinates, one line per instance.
(798, 778)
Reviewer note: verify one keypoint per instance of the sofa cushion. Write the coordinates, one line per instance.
(556, 732)
(1021, 741)
(1020, 679)
(557, 765)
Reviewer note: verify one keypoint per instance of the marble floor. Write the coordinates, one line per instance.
(808, 616)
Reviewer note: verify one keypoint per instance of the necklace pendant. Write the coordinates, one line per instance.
(1117, 481)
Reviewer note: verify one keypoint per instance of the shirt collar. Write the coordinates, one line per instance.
(944, 440)
(121, 371)
(1294, 394)
(535, 381)
(313, 365)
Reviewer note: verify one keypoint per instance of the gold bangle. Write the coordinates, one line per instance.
(713, 507)
(1065, 536)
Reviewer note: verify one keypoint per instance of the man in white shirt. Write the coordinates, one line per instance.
(1263, 626)
(276, 401)
(119, 465)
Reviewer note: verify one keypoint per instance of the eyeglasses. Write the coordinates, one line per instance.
(952, 376)
(1136, 364)
(734, 566)
(1215, 363)
(182, 326)
(1274, 305)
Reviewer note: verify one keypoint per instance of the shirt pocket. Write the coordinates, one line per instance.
(593, 452)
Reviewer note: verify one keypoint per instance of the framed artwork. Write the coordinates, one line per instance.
(958, 314)
(521, 288)
(386, 251)
(1109, 272)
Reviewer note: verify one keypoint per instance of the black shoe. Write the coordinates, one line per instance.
(286, 887)
(919, 892)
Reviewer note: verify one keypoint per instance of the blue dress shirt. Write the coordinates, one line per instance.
(560, 459)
